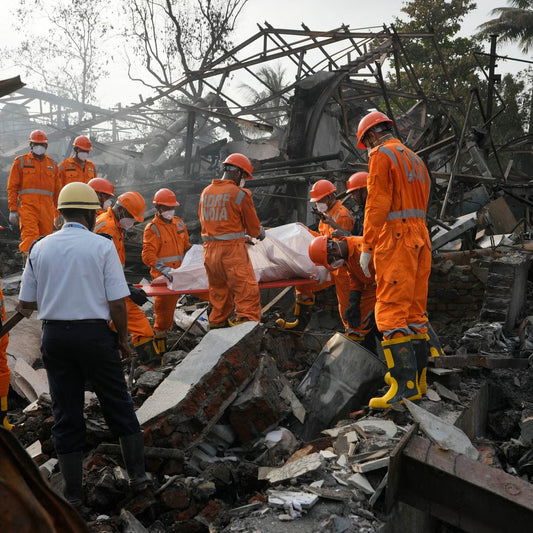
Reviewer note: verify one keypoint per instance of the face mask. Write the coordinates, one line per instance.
(167, 214)
(82, 156)
(242, 182)
(108, 203)
(126, 223)
(368, 150)
(337, 263)
(38, 149)
(322, 207)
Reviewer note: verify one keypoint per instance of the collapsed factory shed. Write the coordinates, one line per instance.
(479, 297)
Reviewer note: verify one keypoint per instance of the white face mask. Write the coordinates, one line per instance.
(167, 214)
(126, 223)
(108, 203)
(82, 156)
(368, 150)
(337, 263)
(242, 183)
(38, 149)
(322, 207)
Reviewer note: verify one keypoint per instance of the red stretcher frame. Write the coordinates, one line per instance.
(162, 290)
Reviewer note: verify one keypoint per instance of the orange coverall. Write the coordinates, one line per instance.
(35, 185)
(138, 324)
(70, 170)
(395, 233)
(168, 242)
(5, 373)
(359, 282)
(226, 213)
(340, 277)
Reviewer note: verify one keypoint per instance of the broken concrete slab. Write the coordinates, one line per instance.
(340, 381)
(27, 382)
(298, 499)
(292, 470)
(445, 435)
(202, 386)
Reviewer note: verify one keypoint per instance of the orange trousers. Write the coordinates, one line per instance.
(164, 312)
(231, 282)
(341, 279)
(138, 324)
(403, 264)
(36, 218)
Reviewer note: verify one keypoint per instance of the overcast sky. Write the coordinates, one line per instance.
(289, 14)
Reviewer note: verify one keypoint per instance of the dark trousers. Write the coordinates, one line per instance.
(74, 353)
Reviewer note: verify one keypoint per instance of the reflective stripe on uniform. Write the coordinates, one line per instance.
(224, 237)
(418, 170)
(36, 191)
(98, 226)
(155, 230)
(171, 258)
(407, 213)
(240, 197)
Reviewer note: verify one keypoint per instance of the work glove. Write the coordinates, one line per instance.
(14, 218)
(137, 295)
(262, 234)
(164, 269)
(353, 314)
(364, 261)
(249, 240)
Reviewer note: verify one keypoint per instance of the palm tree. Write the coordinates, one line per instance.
(513, 24)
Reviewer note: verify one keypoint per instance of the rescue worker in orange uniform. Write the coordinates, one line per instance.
(5, 373)
(333, 216)
(165, 242)
(105, 191)
(228, 217)
(78, 167)
(333, 254)
(128, 209)
(396, 240)
(32, 190)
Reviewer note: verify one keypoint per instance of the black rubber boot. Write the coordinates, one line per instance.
(71, 465)
(402, 376)
(3, 414)
(160, 341)
(147, 351)
(132, 447)
(421, 349)
(435, 348)
(302, 317)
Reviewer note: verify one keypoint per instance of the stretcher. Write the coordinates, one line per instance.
(158, 289)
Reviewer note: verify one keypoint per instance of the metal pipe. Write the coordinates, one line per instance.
(294, 162)
(456, 159)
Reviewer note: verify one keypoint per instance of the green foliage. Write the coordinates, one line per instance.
(512, 24)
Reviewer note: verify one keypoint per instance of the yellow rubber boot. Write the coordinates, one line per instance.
(3, 413)
(302, 317)
(237, 321)
(403, 375)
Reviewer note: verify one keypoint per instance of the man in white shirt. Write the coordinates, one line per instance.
(75, 280)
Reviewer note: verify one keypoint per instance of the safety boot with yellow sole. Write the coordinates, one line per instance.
(302, 317)
(402, 376)
(3, 414)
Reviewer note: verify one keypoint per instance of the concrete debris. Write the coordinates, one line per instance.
(444, 435)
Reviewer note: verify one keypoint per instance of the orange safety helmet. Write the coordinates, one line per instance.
(356, 181)
(38, 136)
(318, 250)
(321, 189)
(369, 121)
(240, 161)
(102, 185)
(134, 203)
(165, 197)
(83, 143)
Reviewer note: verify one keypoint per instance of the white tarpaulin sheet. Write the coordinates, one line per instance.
(281, 255)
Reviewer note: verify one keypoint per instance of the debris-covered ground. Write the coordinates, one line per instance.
(262, 430)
